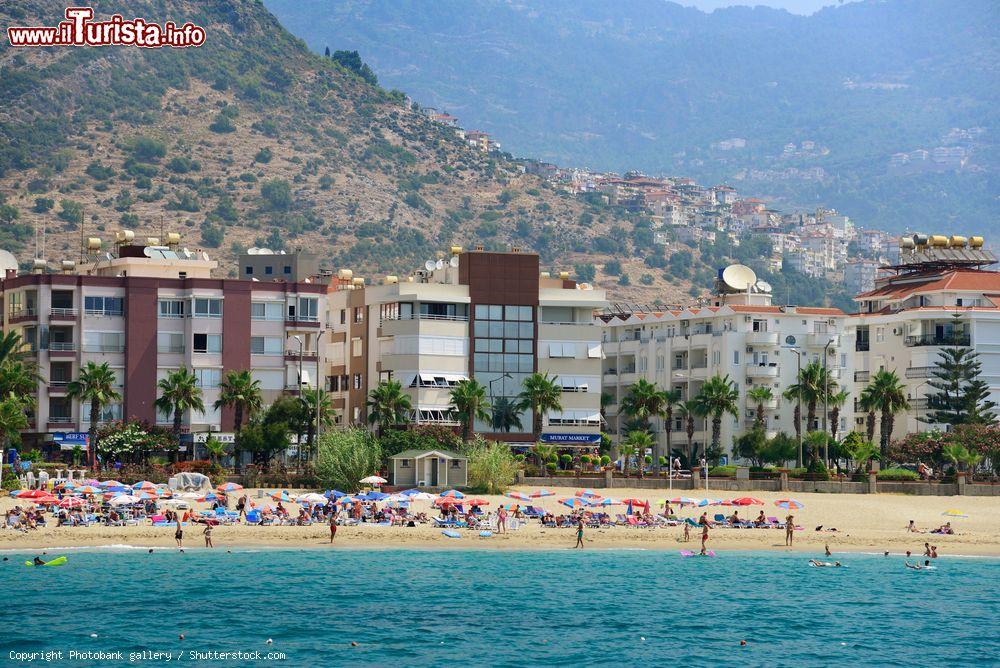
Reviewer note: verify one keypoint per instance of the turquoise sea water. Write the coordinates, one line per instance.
(504, 608)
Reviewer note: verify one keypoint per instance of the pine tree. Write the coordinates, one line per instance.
(960, 397)
(326, 52)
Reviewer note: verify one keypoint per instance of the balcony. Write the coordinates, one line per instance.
(104, 312)
(57, 313)
(62, 349)
(935, 340)
(23, 314)
(919, 404)
(429, 316)
(771, 405)
(104, 348)
(761, 371)
(298, 322)
(58, 386)
(920, 371)
(819, 340)
(862, 345)
(293, 355)
(60, 420)
(762, 338)
(862, 376)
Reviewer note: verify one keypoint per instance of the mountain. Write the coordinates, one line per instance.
(833, 109)
(251, 139)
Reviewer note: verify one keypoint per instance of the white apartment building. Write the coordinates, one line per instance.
(743, 336)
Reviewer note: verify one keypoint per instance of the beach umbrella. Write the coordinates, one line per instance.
(452, 494)
(635, 502)
(606, 501)
(747, 501)
(373, 480)
(87, 489)
(145, 496)
(229, 487)
(410, 492)
(723, 502)
(588, 494)
(334, 494)
(143, 484)
(110, 483)
(540, 493)
(574, 502)
(65, 484)
(47, 500)
(124, 500)
(117, 488)
(477, 502)
(422, 496)
(282, 496)
(32, 494)
(790, 504)
(208, 497)
(191, 496)
(312, 497)
(685, 501)
(520, 496)
(71, 502)
(954, 513)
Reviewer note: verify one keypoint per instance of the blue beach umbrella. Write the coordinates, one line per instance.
(452, 494)
(410, 492)
(574, 502)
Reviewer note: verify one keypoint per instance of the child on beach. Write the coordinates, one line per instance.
(208, 535)
(687, 532)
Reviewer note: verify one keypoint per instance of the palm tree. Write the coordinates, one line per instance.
(239, 391)
(179, 392)
(215, 449)
(836, 400)
(815, 385)
(638, 442)
(866, 404)
(792, 395)
(760, 395)
(388, 405)
(506, 415)
(544, 453)
(889, 396)
(541, 395)
(18, 378)
(96, 385)
(644, 401)
(688, 411)
(12, 418)
(469, 403)
(12, 347)
(718, 396)
(671, 402)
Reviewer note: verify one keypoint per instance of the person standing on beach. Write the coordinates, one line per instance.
(179, 536)
(703, 521)
(579, 535)
(789, 529)
(333, 527)
(927, 549)
(208, 535)
(502, 520)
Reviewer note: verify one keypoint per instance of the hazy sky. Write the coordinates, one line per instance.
(794, 6)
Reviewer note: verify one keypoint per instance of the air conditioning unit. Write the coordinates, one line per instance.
(832, 321)
(749, 349)
(748, 318)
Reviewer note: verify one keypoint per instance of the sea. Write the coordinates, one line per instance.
(354, 607)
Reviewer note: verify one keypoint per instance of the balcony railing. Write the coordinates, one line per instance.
(62, 346)
(104, 348)
(920, 371)
(104, 311)
(762, 338)
(60, 419)
(29, 312)
(295, 353)
(821, 339)
(862, 345)
(699, 365)
(428, 316)
(934, 340)
(762, 371)
(862, 376)
(60, 312)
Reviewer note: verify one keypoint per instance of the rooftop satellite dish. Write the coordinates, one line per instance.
(187, 254)
(439, 264)
(7, 262)
(253, 250)
(204, 256)
(453, 261)
(763, 286)
(429, 265)
(738, 277)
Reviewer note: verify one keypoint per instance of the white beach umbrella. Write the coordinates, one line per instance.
(422, 496)
(124, 500)
(373, 480)
(312, 497)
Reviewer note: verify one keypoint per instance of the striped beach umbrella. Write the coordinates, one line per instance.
(685, 501)
(588, 494)
(574, 502)
(71, 502)
(89, 490)
(520, 496)
(790, 504)
(954, 513)
(606, 501)
(283, 495)
(747, 501)
(229, 487)
(451, 494)
(541, 493)
(143, 484)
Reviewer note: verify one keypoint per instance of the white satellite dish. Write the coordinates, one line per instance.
(439, 264)
(453, 261)
(738, 277)
(253, 250)
(187, 254)
(763, 286)
(204, 256)
(7, 262)
(429, 265)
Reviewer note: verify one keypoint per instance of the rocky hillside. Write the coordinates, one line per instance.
(251, 139)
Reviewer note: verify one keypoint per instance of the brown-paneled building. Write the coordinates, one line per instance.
(148, 310)
(490, 316)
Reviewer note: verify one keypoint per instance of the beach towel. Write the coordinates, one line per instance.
(451, 534)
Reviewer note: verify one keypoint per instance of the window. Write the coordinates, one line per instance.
(307, 310)
(343, 316)
(207, 343)
(270, 379)
(736, 357)
(207, 308)
(266, 345)
(266, 311)
(456, 463)
(404, 463)
(356, 347)
(249, 271)
(110, 413)
(559, 349)
(172, 308)
(268, 270)
(594, 350)
(103, 342)
(286, 270)
(103, 305)
(359, 314)
(170, 342)
(208, 377)
(357, 381)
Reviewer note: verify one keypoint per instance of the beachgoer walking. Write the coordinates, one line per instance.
(828, 553)
(927, 549)
(333, 526)
(704, 533)
(179, 536)
(789, 529)
(579, 535)
(208, 535)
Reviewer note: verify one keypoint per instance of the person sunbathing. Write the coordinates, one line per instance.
(761, 520)
(824, 564)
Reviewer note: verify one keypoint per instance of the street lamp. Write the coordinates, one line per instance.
(826, 403)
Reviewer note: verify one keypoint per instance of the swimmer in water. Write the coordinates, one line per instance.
(917, 567)
(823, 564)
(38, 561)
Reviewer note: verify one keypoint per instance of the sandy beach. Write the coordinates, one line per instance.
(864, 523)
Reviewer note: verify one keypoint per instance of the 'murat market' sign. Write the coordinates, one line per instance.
(574, 439)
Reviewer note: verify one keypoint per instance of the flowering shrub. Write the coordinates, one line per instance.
(131, 440)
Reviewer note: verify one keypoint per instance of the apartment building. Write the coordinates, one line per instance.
(743, 336)
(148, 309)
(490, 316)
(859, 275)
(939, 295)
